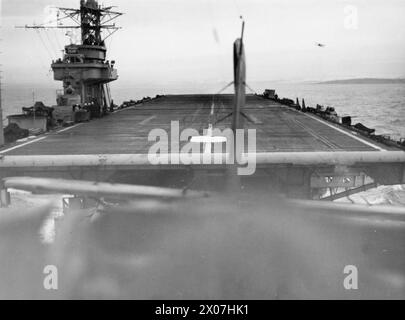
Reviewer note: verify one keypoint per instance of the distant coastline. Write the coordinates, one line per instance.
(365, 81)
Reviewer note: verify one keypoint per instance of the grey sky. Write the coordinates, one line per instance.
(191, 40)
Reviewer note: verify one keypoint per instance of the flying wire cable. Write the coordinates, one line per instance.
(44, 45)
(51, 44)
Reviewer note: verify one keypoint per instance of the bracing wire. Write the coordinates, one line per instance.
(49, 54)
(226, 87)
(60, 47)
(110, 48)
(219, 92)
(253, 91)
(51, 44)
(40, 57)
(44, 45)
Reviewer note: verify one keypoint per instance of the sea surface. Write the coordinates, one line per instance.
(379, 106)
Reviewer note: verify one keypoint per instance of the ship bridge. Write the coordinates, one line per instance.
(85, 64)
(86, 73)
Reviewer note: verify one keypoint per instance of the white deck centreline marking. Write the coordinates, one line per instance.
(145, 121)
(347, 133)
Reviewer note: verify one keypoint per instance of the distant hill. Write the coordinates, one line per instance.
(365, 81)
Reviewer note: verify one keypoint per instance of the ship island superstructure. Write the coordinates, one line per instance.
(83, 70)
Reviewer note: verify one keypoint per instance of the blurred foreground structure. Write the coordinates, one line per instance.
(208, 248)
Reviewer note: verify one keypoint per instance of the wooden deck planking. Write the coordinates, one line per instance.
(279, 128)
